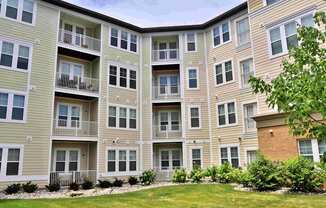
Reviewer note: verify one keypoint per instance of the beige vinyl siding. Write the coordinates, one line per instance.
(254, 5)
(39, 111)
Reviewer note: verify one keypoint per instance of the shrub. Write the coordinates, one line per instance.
(53, 187)
(74, 186)
(88, 184)
(323, 158)
(132, 180)
(13, 189)
(179, 176)
(265, 174)
(147, 177)
(224, 173)
(212, 172)
(235, 175)
(196, 175)
(304, 176)
(105, 184)
(29, 187)
(245, 179)
(117, 183)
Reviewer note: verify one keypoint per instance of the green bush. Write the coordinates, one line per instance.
(265, 175)
(235, 175)
(104, 184)
(224, 173)
(147, 177)
(323, 158)
(132, 180)
(196, 175)
(179, 176)
(13, 189)
(53, 187)
(29, 187)
(117, 182)
(245, 179)
(87, 184)
(74, 186)
(304, 176)
(212, 172)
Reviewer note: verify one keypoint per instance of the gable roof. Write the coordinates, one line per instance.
(133, 27)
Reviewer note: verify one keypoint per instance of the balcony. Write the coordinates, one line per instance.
(66, 178)
(165, 55)
(79, 40)
(74, 128)
(166, 92)
(165, 50)
(173, 131)
(77, 83)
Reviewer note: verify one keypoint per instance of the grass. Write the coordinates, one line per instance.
(185, 196)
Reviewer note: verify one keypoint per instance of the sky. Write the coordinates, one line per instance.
(149, 13)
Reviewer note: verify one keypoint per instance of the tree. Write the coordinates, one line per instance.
(299, 90)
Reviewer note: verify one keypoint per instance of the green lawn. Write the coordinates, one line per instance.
(187, 196)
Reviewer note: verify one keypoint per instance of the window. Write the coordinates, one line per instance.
(243, 31)
(12, 9)
(133, 43)
(247, 71)
(20, 10)
(226, 114)
(305, 149)
(168, 85)
(284, 37)
(230, 154)
(312, 149)
(114, 37)
(223, 73)
(196, 158)
(191, 42)
(269, 2)
(194, 117)
(66, 160)
(122, 77)
(221, 34)
(170, 159)
(169, 121)
(10, 160)
(250, 110)
(14, 56)
(124, 40)
(12, 106)
(68, 116)
(321, 147)
(251, 156)
(28, 7)
(122, 117)
(192, 78)
(121, 160)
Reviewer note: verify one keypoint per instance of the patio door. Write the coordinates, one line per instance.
(169, 85)
(66, 160)
(170, 159)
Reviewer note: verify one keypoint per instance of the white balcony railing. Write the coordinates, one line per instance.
(66, 178)
(165, 55)
(167, 131)
(77, 83)
(165, 92)
(79, 40)
(74, 128)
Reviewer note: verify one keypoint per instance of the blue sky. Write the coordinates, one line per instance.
(147, 13)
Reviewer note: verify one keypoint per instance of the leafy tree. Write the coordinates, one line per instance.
(299, 90)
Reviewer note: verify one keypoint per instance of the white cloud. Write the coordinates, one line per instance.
(148, 13)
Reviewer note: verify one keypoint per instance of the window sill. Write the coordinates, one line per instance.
(14, 69)
(122, 88)
(215, 47)
(20, 22)
(122, 129)
(227, 126)
(124, 50)
(13, 121)
(224, 84)
(243, 47)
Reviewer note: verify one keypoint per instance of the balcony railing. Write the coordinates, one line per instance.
(79, 40)
(166, 92)
(66, 178)
(77, 83)
(74, 128)
(165, 55)
(167, 131)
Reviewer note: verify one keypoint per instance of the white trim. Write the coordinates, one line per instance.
(120, 29)
(169, 121)
(201, 156)
(226, 114)
(246, 153)
(71, 68)
(240, 71)
(229, 146)
(197, 78)
(223, 73)
(69, 115)
(221, 33)
(189, 116)
(129, 68)
(170, 158)
(4, 161)
(236, 21)
(244, 129)
(67, 161)
(186, 42)
(128, 108)
(19, 12)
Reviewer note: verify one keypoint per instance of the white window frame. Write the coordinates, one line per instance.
(117, 106)
(246, 155)
(314, 146)
(187, 41)
(71, 69)
(169, 121)
(229, 146)
(67, 151)
(168, 90)
(245, 130)
(129, 68)
(221, 33)
(11, 94)
(197, 78)
(225, 103)
(189, 117)
(3, 171)
(19, 12)
(201, 156)
(128, 42)
(265, 3)
(236, 29)
(69, 105)
(170, 150)
(74, 32)
(16, 54)
(285, 49)
(223, 73)
(240, 74)
(117, 172)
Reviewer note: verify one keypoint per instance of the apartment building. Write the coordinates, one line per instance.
(85, 95)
